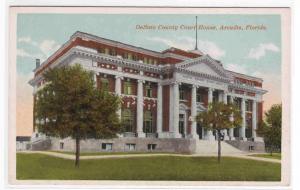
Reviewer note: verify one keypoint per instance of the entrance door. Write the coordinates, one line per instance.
(181, 125)
(199, 131)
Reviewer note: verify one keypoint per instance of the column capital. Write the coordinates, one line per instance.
(195, 86)
(141, 81)
(211, 89)
(120, 77)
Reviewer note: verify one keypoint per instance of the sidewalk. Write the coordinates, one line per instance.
(72, 157)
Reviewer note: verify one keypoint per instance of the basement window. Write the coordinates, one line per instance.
(61, 146)
(107, 146)
(151, 146)
(130, 147)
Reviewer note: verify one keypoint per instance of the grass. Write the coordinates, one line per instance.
(39, 166)
(273, 156)
(109, 153)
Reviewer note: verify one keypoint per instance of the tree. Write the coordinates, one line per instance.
(69, 105)
(271, 129)
(219, 116)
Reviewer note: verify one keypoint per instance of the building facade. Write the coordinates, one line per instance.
(161, 92)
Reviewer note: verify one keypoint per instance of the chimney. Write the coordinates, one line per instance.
(37, 63)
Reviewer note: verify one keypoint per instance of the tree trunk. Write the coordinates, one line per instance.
(77, 151)
(219, 147)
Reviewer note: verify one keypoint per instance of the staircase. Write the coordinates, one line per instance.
(204, 147)
(41, 144)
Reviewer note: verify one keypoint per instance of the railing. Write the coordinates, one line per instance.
(129, 134)
(151, 135)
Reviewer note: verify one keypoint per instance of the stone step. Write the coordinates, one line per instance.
(211, 147)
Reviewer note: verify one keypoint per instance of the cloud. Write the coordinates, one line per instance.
(236, 68)
(23, 53)
(27, 40)
(261, 50)
(44, 48)
(188, 43)
(48, 47)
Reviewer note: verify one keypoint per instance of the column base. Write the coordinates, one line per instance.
(210, 138)
(194, 136)
(243, 138)
(177, 135)
(141, 135)
(226, 138)
(258, 139)
(232, 138)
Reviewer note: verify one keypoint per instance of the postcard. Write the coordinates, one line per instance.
(149, 96)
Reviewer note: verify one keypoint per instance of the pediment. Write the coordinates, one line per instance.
(206, 65)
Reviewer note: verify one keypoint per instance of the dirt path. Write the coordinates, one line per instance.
(72, 157)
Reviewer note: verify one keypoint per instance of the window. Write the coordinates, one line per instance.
(148, 122)
(107, 146)
(148, 91)
(145, 60)
(104, 84)
(113, 52)
(130, 147)
(151, 146)
(181, 94)
(134, 57)
(150, 61)
(199, 97)
(127, 88)
(125, 55)
(61, 145)
(127, 120)
(248, 106)
(129, 56)
(106, 51)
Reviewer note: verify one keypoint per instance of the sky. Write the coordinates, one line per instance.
(252, 52)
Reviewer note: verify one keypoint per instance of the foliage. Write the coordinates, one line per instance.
(271, 129)
(220, 116)
(70, 105)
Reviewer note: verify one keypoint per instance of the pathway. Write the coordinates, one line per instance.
(72, 157)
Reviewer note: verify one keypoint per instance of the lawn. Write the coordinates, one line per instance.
(39, 166)
(273, 156)
(109, 153)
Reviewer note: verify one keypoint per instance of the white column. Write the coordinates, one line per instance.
(224, 99)
(171, 105)
(95, 80)
(140, 109)
(254, 122)
(243, 127)
(194, 112)
(176, 110)
(118, 91)
(159, 109)
(210, 135)
(231, 134)
(210, 95)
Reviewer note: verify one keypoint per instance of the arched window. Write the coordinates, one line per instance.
(127, 120)
(148, 122)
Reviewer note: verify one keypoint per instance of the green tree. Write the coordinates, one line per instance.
(219, 116)
(69, 105)
(271, 129)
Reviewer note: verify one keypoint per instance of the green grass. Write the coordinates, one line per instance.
(273, 156)
(108, 153)
(39, 166)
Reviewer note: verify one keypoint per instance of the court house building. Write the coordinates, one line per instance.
(161, 94)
